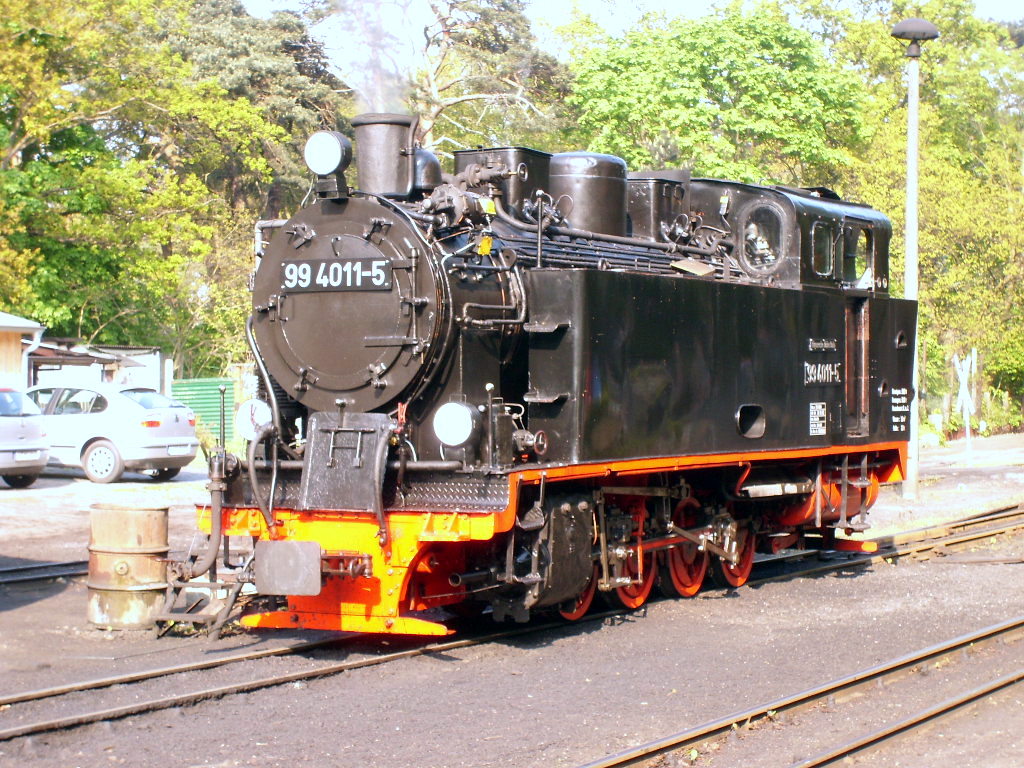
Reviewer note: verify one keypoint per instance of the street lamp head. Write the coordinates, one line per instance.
(915, 30)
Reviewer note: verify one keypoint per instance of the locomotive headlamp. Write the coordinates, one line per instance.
(328, 152)
(455, 424)
(251, 418)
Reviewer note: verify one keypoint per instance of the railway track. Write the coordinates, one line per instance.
(249, 684)
(921, 543)
(914, 543)
(695, 741)
(43, 571)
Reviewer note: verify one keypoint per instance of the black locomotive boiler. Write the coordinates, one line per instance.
(541, 378)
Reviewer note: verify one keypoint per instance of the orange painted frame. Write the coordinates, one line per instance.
(374, 604)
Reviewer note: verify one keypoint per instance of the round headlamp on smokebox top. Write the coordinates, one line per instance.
(456, 424)
(328, 152)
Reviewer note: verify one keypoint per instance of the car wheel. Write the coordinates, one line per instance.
(168, 473)
(102, 463)
(20, 481)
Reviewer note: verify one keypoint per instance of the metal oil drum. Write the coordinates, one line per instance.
(127, 565)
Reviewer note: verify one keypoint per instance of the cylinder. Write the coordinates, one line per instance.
(596, 185)
(385, 157)
(127, 565)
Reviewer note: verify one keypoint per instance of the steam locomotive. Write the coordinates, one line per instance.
(543, 378)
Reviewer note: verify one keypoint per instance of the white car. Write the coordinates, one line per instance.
(106, 429)
(23, 445)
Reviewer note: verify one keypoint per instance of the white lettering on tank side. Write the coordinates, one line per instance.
(899, 406)
(822, 373)
(819, 418)
(822, 345)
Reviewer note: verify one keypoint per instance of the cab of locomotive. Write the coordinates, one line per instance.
(842, 244)
(796, 237)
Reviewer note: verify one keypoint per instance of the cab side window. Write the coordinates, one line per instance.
(762, 239)
(822, 248)
(858, 256)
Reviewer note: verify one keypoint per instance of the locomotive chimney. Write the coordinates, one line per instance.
(385, 153)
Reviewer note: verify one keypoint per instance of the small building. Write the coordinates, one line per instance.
(71, 362)
(18, 339)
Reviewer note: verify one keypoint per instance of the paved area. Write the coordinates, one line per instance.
(956, 480)
(49, 521)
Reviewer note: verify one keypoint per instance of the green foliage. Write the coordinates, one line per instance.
(738, 95)
(275, 66)
(121, 168)
(1000, 413)
(1005, 366)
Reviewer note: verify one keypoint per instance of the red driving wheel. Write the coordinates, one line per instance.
(683, 567)
(634, 595)
(583, 601)
(728, 575)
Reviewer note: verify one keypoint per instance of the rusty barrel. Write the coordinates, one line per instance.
(127, 565)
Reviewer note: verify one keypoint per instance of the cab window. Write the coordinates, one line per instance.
(822, 248)
(762, 239)
(858, 256)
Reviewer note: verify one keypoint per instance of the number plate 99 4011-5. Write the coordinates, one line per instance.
(336, 275)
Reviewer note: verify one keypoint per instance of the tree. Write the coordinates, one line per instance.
(735, 94)
(468, 68)
(279, 68)
(971, 170)
(105, 141)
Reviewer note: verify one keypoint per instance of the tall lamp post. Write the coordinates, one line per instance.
(914, 31)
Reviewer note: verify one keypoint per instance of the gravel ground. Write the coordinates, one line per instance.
(49, 521)
(564, 697)
(560, 698)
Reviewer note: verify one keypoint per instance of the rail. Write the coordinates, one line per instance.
(804, 699)
(1000, 521)
(43, 571)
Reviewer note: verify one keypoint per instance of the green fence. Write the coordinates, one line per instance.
(203, 397)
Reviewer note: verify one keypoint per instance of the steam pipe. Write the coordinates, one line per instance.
(426, 218)
(410, 466)
(473, 577)
(268, 385)
(264, 373)
(217, 487)
(582, 234)
(263, 504)
(257, 243)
